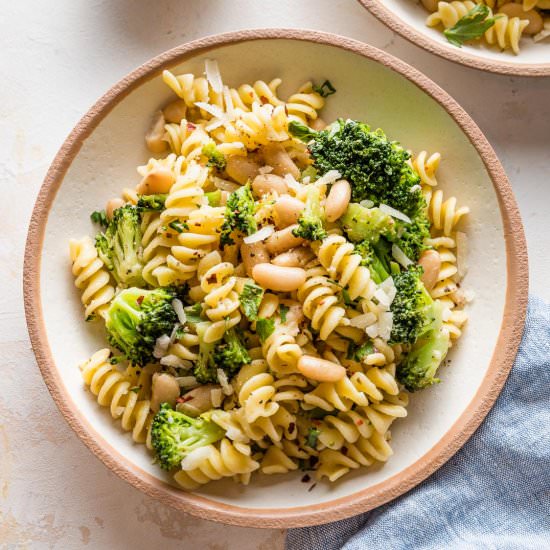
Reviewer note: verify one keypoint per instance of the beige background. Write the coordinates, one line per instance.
(57, 58)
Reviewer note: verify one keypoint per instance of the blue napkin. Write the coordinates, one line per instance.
(494, 493)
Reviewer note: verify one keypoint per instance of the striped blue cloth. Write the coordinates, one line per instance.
(494, 493)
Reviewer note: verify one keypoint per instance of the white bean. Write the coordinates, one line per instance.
(253, 254)
(276, 156)
(175, 111)
(111, 206)
(297, 257)
(319, 369)
(283, 240)
(153, 138)
(164, 389)
(337, 200)
(282, 279)
(267, 183)
(287, 210)
(242, 169)
(431, 263)
(157, 181)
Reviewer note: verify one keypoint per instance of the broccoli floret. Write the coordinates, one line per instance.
(152, 202)
(366, 224)
(239, 215)
(214, 198)
(120, 246)
(228, 354)
(174, 435)
(376, 167)
(412, 236)
(412, 307)
(136, 318)
(377, 257)
(100, 218)
(420, 366)
(215, 157)
(310, 223)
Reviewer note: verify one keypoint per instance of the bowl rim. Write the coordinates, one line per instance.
(452, 53)
(502, 359)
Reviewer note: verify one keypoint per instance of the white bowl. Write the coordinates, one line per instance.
(408, 18)
(100, 156)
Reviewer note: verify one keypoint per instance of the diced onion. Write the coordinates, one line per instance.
(383, 298)
(175, 361)
(178, 308)
(366, 203)
(161, 346)
(385, 325)
(174, 335)
(187, 381)
(227, 388)
(372, 330)
(395, 213)
(399, 256)
(214, 110)
(215, 123)
(260, 235)
(330, 177)
(213, 75)
(388, 286)
(461, 254)
(225, 185)
(216, 397)
(363, 321)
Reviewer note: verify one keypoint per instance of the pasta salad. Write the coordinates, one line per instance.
(273, 288)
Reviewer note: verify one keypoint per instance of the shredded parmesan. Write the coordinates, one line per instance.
(372, 330)
(260, 235)
(161, 346)
(292, 183)
(178, 308)
(213, 75)
(395, 213)
(400, 257)
(383, 298)
(385, 325)
(174, 335)
(330, 177)
(366, 203)
(175, 361)
(216, 397)
(214, 110)
(187, 381)
(227, 388)
(363, 321)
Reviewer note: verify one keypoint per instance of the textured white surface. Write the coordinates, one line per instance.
(57, 58)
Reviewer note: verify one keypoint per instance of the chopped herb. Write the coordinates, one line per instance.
(312, 436)
(116, 359)
(250, 300)
(283, 310)
(178, 226)
(152, 202)
(325, 89)
(345, 295)
(265, 328)
(100, 218)
(215, 158)
(473, 25)
(135, 389)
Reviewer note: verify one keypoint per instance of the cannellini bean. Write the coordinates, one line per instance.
(253, 254)
(337, 200)
(318, 124)
(153, 138)
(536, 22)
(111, 206)
(282, 279)
(276, 156)
(266, 183)
(197, 401)
(164, 389)
(431, 263)
(242, 169)
(319, 369)
(175, 112)
(297, 257)
(430, 5)
(283, 240)
(287, 210)
(157, 181)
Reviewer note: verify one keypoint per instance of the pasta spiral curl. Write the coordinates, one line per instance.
(212, 462)
(91, 277)
(319, 302)
(445, 284)
(173, 163)
(444, 214)
(156, 247)
(187, 140)
(304, 104)
(115, 391)
(448, 13)
(260, 92)
(337, 256)
(426, 167)
(276, 461)
(192, 89)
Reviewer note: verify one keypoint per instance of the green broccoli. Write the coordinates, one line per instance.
(376, 168)
(215, 158)
(411, 237)
(174, 435)
(100, 218)
(152, 202)
(239, 215)
(412, 307)
(228, 354)
(120, 246)
(420, 366)
(214, 198)
(377, 257)
(136, 318)
(366, 224)
(310, 223)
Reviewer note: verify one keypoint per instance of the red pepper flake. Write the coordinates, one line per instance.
(264, 99)
(344, 451)
(184, 399)
(191, 126)
(291, 427)
(359, 422)
(316, 422)
(305, 479)
(140, 299)
(313, 461)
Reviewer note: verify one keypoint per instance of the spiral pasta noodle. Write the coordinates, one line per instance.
(304, 104)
